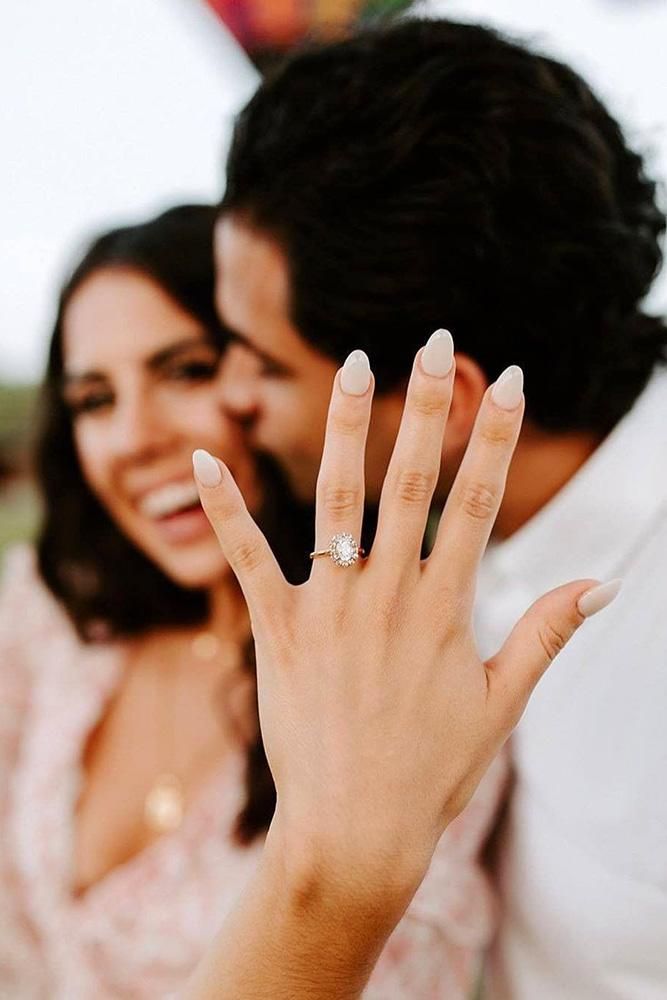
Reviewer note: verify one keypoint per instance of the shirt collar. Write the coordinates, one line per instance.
(592, 526)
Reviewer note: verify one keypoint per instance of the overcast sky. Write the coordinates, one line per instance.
(117, 109)
(109, 111)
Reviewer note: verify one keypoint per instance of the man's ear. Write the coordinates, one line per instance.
(470, 385)
(469, 388)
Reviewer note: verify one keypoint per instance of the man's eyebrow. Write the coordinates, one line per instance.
(238, 338)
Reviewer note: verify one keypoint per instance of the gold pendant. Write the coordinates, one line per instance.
(164, 806)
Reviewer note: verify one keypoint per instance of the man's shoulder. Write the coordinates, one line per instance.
(644, 573)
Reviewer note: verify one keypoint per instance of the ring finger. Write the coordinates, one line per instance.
(340, 484)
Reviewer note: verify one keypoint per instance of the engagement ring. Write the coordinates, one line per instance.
(343, 549)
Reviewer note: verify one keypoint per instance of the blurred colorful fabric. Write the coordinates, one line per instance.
(278, 24)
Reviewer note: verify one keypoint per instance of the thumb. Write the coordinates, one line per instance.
(540, 635)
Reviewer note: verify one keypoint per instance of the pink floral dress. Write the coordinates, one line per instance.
(139, 932)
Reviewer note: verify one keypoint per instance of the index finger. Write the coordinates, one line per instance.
(243, 544)
(474, 500)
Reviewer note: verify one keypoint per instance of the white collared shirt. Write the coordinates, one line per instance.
(583, 857)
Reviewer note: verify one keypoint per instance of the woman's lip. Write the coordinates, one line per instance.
(150, 502)
(185, 526)
(169, 499)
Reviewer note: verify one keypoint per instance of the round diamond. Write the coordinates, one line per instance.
(344, 550)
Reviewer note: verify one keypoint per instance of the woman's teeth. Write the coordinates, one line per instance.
(169, 499)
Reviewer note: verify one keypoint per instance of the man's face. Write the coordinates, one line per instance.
(273, 380)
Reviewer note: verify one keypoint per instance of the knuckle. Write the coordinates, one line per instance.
(496, 432)
(246, 555)
(415, 488)
(551, 639)
(339, 501)
(478, 501)
(428, 404)
(346, 422)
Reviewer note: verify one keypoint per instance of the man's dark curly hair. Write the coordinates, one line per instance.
(432, 174)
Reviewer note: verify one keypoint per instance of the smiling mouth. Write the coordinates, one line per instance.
(166, 501)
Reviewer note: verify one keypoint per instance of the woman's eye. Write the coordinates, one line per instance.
(196, 371)
(91, 404)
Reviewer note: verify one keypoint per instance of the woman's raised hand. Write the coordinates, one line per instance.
(378, 716)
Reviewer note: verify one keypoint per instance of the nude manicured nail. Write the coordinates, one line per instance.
(207, 469)
(438, 355)
(508, 390)
(355, 376)
(599, 597)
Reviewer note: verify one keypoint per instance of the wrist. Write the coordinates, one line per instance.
(327, 875)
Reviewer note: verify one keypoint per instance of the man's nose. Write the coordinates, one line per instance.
(238, 380)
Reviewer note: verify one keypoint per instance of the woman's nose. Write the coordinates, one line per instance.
(142, 429)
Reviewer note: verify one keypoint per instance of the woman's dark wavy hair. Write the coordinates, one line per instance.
(109, 588)
(431, 173)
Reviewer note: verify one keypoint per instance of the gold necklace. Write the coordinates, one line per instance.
(164, 804)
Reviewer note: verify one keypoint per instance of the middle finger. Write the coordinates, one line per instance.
(415, 463)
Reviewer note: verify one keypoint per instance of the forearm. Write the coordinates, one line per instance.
(296, 935)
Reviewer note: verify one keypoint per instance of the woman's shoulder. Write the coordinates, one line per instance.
(43, 661)
(18, 564)
(18, 589)
(30, 616)
(24, 598)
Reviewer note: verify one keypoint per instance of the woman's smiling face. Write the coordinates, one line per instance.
(141, 381)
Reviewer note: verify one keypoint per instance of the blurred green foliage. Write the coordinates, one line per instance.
(19, 508)
(19, 514)
(17, 407)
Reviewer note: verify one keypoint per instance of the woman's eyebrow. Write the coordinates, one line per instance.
(81, 378)
(166, 354)
(153, 361)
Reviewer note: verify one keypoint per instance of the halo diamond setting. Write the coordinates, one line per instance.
(344, 550)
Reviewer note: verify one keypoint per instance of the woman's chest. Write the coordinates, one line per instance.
(147, 920)
(91, 750)
(143, 767)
